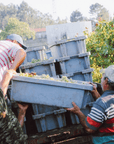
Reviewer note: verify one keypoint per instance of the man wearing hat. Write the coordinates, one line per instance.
(100, 120)
(12, 55)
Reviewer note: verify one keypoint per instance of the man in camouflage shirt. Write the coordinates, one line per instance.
(10, 129)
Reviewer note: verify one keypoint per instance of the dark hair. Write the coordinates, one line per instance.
(110, 83)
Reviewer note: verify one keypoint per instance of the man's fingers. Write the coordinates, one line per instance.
(69, 109)
(73, 103)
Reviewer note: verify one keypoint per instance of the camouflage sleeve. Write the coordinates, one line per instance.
(3, 106)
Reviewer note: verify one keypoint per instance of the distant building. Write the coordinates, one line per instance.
(40, 38)
(40, 33)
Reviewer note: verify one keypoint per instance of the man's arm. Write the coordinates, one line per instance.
(8, 74)
(20, 56)
(94, 92)
(81, 117)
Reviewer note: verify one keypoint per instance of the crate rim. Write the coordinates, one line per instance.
(79, 85)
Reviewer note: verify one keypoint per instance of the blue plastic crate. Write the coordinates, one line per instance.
(48, 92)
(42, 67)
(48, 120)
(84, 75)
(76, 67)
(68, 47)
(74, 63)
(35, 53)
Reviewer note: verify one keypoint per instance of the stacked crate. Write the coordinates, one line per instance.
(43, 114)
(42, 65)
(35, 53)
(73, 58)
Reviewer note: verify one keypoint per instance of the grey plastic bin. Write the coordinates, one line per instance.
(48, 92)
(68, 47)
(35, 53)
(42, 67)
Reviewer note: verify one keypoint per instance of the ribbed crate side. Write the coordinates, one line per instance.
(40, 69)
(32, 55)
(72, 48)
(84, 75)
(56, 51)
(68, 48)
(78, 76)
(51, 120)
(74, 64)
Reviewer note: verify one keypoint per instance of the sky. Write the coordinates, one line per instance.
(64, 8)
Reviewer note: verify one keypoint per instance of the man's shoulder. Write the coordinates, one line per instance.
(107, 98)
(99, 103)
(6, 43)
(104, 101)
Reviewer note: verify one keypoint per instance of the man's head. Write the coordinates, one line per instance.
(107, 80)
(18, 39)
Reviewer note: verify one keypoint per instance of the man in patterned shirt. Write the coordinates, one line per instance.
(100, 120)
(12, 55)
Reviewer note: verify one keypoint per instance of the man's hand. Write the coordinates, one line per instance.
(11, 72)
(22, 112)
(94, 86)
(22, 108)
(75, 109)
(8, 74)
(94, 92)
(81, 117)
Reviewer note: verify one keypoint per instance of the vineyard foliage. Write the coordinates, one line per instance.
(101, 45)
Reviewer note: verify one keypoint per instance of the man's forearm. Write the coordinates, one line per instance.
(95, 94)
(5, 82)
(75, 109)
(82, 118)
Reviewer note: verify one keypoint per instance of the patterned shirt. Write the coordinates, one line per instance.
(101, 117)
(10, 129)
(8, 52)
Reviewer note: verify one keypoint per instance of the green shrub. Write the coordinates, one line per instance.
(101, 45)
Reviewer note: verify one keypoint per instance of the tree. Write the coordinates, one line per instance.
(76, 16)
(25, 13)
(103, 15)
(95, 9)
(5, 13)
(98, 12)
(17, 27)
